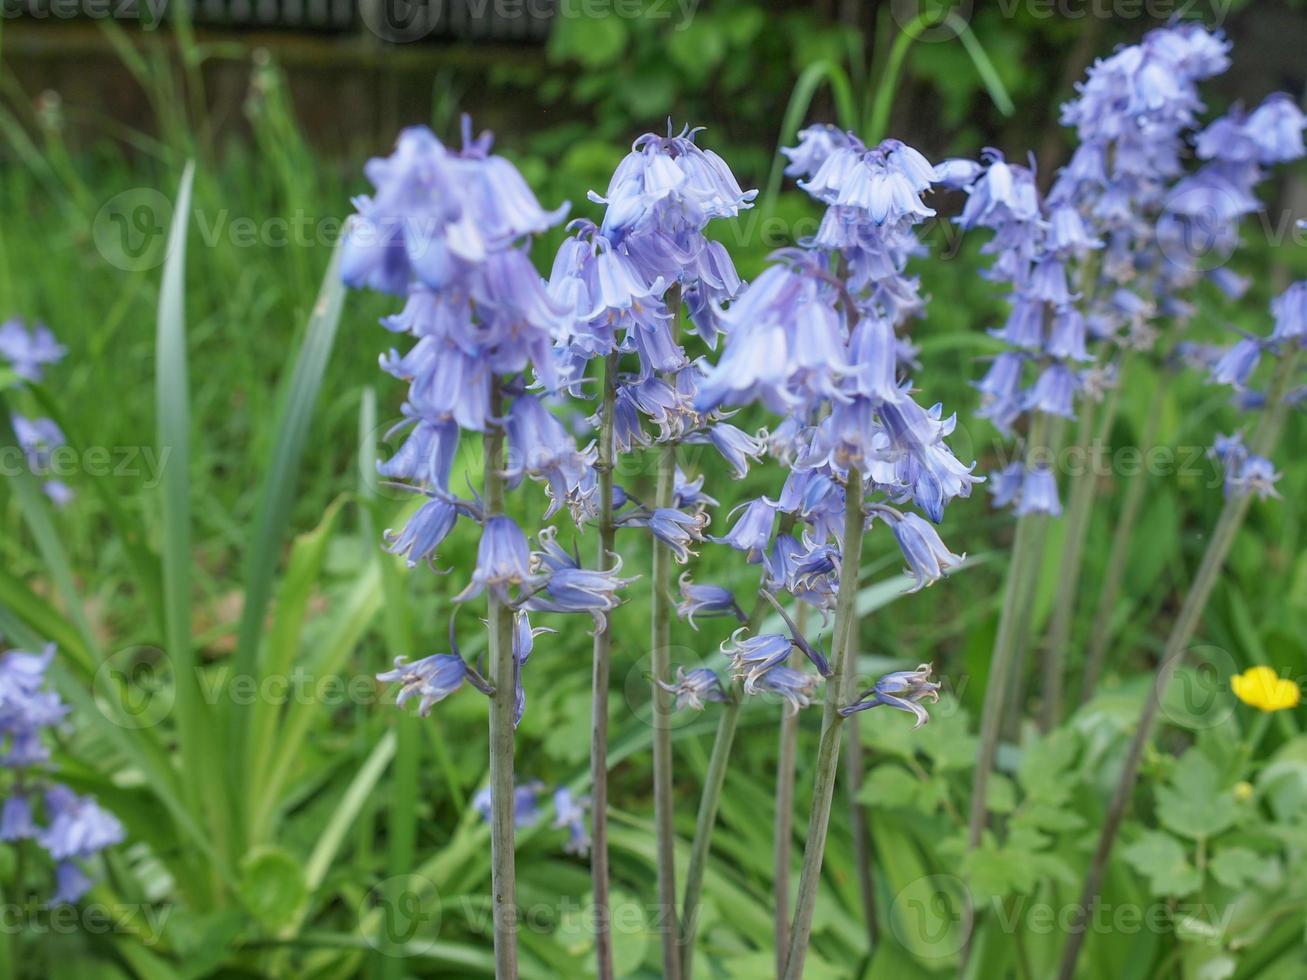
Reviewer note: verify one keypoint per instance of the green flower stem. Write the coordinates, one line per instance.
(710, 800)
(727, 722)
(1077, 530)
(660, 660)
(1119, 555)
(783, 826)
(839, 691)
(500, 651)
(859, 827)
(1006, 644)
(603, 643)
(660, 613)
(1182, 631)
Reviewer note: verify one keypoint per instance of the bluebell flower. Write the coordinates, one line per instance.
(794, 686)
(77, 826)
(425, 530)
(433, 678)
(688, 494)
(927, 557)
(28, 350)
(541, 448)
(1290, 312)
(752, 656)
(577, 590)
(695, 687)
(752, 531)
(903, 689)
(503, 560)
(1238, 363)
(526, 803)
(16, 821)
(816, 144)
(569, 813)
(1039, 493)
(71, 883)
(674, 528)
(736, 446)
(1256, 475)
(706, 600)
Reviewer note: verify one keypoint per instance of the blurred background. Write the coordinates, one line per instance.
(278, 103)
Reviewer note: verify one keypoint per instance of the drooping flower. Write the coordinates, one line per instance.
(927, 557)
(706, 600)
(903, 689)
(694, 687)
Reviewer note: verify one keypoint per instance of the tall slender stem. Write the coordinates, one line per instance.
(839, 690)
(708, 805)
(1119, 555)
(502, 671)
(783, 826)
(1064, 605)
(709, 802)
(660, 662)
(859, 827)
(603, 643)
(1005, 647)
(1182, 631)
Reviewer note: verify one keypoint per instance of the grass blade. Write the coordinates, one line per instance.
(273, 515)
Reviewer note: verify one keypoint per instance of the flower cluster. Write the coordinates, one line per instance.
(27, 353)
(1245, 471)
(815, 339)
(450, 231)
(67, 827)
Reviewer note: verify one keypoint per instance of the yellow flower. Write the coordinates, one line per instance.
(1243, 792)
(1264, 689)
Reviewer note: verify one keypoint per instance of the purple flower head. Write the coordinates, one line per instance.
(1039, 493)
(427, 455)
(1290, 312)
(1238, 363)
(580, 590)
(882, 184)
(674, 528)
(695, 687)
(788, 344)
(667, 185)
(927, 557)
(816, 144)
(541, 448)
(794, 686)
(569, 813)
(904, 690)
(503, 560)
(706, 600)
(78, 827)
(752, 531)
(16, 821)
(688, 494)
(28, 351)
(71, 883)
(424, 532)
(526, 803)
(432, 678)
